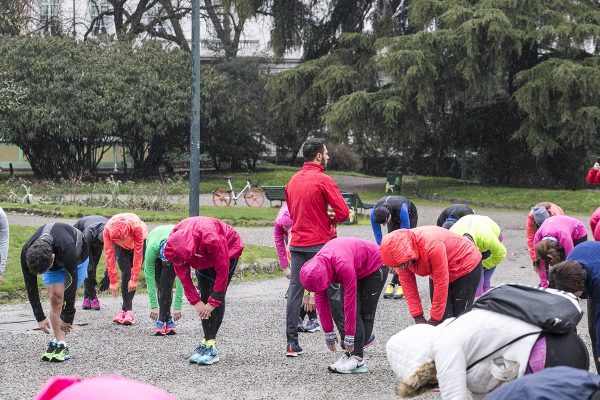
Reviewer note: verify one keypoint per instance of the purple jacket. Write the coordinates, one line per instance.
(281, 232)
(562, 228)
(345, 260)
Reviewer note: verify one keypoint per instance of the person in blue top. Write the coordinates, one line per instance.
(580, 274)
(558, 383)
(398, 213)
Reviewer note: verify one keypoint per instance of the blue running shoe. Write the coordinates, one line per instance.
(197, 356)
(210, 356)
(160, 328)
(170, 329)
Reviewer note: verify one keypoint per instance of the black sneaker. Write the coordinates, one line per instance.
(301, 325)
(50, 351)
(293, 350)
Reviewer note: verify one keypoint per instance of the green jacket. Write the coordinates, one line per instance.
(153, 243)
(486, 235)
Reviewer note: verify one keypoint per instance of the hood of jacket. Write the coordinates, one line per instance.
(317, 274)
(398, 247)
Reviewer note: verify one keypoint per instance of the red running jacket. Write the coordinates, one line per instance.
(438, 253)
(593, 177)
(308, 193)
(203, 243)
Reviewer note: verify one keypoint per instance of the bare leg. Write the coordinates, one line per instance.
(56, 294)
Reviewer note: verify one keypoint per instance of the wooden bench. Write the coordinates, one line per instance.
(274, 193)
(355, 204)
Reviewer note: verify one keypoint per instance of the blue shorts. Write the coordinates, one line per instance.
(54, 277)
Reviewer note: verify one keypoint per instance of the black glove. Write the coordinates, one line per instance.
(434, 322)
(420, 319)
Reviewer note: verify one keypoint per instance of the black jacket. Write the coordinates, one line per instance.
(394, 205)
(457, 210)
(92, 228)
(67, 257)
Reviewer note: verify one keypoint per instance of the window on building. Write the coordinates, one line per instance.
(98, 7)
(49, 17)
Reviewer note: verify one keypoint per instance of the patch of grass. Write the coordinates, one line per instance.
(450, 190)
(237, 216)
(13, 287)
(267, 174)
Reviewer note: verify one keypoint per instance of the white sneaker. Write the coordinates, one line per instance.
(351, 366)
(333, 367)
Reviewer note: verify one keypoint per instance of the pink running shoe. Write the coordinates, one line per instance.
(119, 317)
(87, 304)
(129, 318)
(95, 304)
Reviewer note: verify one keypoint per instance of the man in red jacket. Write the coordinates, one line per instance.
(308, 195)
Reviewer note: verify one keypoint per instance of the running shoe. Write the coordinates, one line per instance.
(210, 356)
(170, 327)
(61, 353)
(197, 356)
(293, 350)
(333, 367)
(50, 351)
(160, 328)
(87, 304)
(312, 326)
(389, 292)
(351, 366)
(399, 292)
(129, 318)
(95, 304)
(301, 325)
(119, 317)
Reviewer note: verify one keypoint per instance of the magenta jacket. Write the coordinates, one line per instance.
(281, 231)
(345, 260)
(562, 228)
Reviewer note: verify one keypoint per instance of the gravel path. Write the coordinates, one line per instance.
(251, 340)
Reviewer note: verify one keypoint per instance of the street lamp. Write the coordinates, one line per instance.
(194, 206)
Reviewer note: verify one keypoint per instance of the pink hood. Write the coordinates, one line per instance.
(99, 388)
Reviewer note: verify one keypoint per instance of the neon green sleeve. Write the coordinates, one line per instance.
(178, 294)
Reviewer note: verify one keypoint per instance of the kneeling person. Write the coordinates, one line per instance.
(59, 253)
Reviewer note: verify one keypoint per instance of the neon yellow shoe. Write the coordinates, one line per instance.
(399, 292)
(389, 292)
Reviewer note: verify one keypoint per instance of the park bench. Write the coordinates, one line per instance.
(355, 204)
(274, 193)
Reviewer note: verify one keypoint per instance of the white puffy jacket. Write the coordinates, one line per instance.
(457, 343)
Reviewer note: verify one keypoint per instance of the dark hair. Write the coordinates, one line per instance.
(568, 276)
(546, 249)
(312, 147)
(39, 257)
(381, 214)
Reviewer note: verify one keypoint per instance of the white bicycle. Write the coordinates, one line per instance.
(253, 196)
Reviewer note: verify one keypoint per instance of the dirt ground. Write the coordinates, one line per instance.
(251, 341)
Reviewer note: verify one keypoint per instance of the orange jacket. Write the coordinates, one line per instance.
(438, 253)
(129, 232)
(553, 210)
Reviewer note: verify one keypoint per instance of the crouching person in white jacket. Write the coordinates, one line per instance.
(476, 353)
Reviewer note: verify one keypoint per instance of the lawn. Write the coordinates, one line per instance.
(238, 216)
(13, 287)
(450, 190)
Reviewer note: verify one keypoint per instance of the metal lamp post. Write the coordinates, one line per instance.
(194, 206)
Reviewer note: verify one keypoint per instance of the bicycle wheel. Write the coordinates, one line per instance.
(221, 197)
(254, 197)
